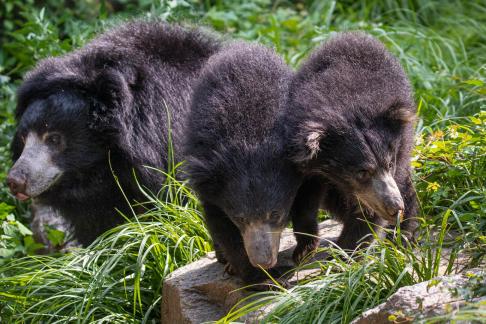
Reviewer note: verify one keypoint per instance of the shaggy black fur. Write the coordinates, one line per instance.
(350, 117)
(235, 150)
(111, 99)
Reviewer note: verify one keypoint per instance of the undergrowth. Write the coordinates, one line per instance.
(442, 46)
(118, 278)
(347, 285)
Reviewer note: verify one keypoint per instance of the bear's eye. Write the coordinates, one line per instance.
(363, 175)
(240, 221)
(53, 139)
(275, 214)
(390, 165)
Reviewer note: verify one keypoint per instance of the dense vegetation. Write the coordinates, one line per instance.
(441, 44)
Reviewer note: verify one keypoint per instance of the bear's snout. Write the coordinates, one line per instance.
(383, 196)
(394, 205)
(261, 244)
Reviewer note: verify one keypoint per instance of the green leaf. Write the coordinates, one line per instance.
(56, 237)
(474, 82)
(31, 246)
(475, 120)
(23, 230)
(474, 204)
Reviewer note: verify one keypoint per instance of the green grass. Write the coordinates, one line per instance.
(347, 287)
(118, 278)
(442, 46)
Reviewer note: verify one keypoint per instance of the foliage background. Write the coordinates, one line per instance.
(441, 44)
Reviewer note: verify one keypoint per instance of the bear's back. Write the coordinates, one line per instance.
(239, 95)
(352, 73)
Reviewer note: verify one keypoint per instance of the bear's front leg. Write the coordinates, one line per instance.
(44, 216)
(359, 223)
(218, 250)
(304, 218)
(226, 236)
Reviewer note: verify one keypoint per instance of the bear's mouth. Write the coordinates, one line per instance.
(47, 186)
(21, 196)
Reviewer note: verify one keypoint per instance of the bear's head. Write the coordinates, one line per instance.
(358, 154)
(255, 188)
(351, 114)
(62, 127)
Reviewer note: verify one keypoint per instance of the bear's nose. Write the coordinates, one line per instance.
(264, 261)
(267, 264)
(394, 206)
(17, 183)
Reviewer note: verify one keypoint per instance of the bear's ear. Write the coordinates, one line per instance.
(400, 113)
(41, 86)
(111, 97)
(308, 142)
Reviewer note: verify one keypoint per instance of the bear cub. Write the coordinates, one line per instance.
(350, 123)
(237, 156)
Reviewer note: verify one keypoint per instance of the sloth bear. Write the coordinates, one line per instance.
(350, 120)
(236, 156)
(100, 111)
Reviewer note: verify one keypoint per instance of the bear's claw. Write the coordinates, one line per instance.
(228, 268)
(301, 251)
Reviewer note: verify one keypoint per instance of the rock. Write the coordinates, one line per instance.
(429, 298)
(202, 291)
